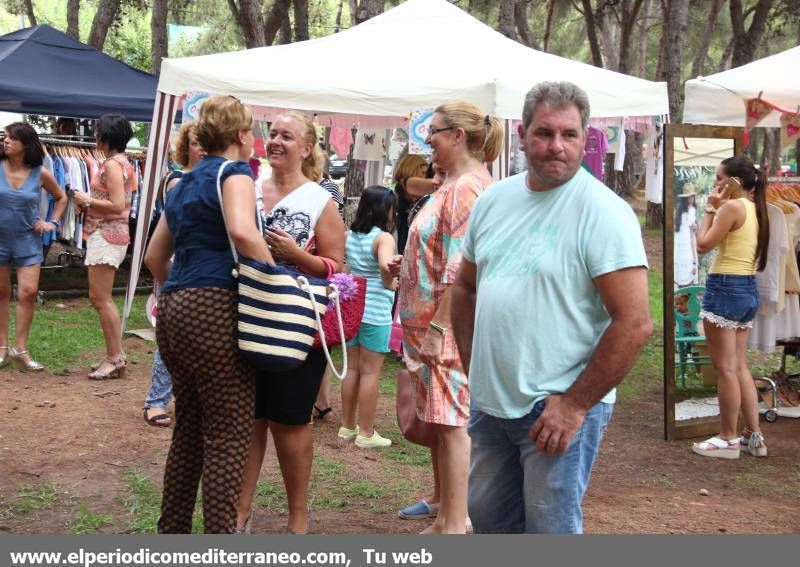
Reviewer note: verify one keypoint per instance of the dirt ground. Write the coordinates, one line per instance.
(81, 436)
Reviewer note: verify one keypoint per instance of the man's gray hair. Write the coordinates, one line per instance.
(557, 94)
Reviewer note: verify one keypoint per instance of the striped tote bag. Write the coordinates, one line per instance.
(279, 309)
(277, 321)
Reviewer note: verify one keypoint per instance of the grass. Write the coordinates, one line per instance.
(87, 522)
(60, 336)
(272, 496)
(30, 498)
(143, 503)
(762, 483)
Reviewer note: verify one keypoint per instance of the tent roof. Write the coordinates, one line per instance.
(416, 55)
(47, 72)
(719, 99)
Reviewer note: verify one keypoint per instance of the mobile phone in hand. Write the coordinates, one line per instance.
(731, 189)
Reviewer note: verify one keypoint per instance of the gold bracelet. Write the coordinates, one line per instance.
(438, 328)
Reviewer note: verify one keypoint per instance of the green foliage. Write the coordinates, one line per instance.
(59, 350)
(142, 500)
(30, 498)
(87, 522)
(130, 39)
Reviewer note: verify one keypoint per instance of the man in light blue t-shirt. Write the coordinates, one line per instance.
(551, 310)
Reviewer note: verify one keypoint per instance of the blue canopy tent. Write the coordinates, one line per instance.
(45, 71)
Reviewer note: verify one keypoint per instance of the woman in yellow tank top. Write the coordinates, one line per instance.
(740, 228)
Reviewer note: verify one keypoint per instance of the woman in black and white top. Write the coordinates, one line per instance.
(303, 228)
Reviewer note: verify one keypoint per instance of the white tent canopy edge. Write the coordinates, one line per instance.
(719, 99)
(458, 57)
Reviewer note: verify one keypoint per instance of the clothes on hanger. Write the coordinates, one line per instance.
(779, 283)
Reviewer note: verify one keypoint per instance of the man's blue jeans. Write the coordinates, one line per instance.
(514, 488)
(160, 391)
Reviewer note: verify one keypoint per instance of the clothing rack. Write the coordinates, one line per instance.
(139, 152)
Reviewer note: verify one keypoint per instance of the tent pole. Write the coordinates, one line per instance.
(163, 117)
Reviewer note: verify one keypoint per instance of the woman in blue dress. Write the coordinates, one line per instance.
(21, 227)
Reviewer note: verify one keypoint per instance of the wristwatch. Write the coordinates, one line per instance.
(438, 328)
(711, 210)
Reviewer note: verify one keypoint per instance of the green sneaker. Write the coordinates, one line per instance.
(348, 434)
(374, 442)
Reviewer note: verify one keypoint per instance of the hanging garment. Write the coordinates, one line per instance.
(654, 172)
(369, 144)
(595, 151)
(341, 138)
(619, 156)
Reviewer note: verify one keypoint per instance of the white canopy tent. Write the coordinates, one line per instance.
(719, 99)
(417, 55)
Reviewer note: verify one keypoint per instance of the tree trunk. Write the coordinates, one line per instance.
(725, 60)
(286, 32)
(624, 182)
(771, 153)
(277, 15)
(745, 43)
(591, 33)
(103, 18)
(644, 33)
(608, 42)
(548, 26)
(521, 11)
(29, 12)
(368, 9)
(505, 21)
(248, 16)
(353, 9)
(354, 178)
(677, 19)
(654, 217)
(73, 18)
(158, 30)
(662, 43)
(300, 20)
(702, 53)
(630, 15)
(338, 27)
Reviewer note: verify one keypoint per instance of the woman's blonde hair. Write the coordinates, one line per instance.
(484, 132)
(314, 162)
(183, 141)
(408, 167)
(221, 119)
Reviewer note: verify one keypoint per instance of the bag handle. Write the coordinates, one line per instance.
(224, 220)
(302, 281)
(334, 297)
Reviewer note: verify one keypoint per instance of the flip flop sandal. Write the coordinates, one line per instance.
(157, 420)
(321, 413)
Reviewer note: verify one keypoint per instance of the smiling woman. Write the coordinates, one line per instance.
(303, 228)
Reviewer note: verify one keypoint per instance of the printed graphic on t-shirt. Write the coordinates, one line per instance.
(298, 225)
(515, 255)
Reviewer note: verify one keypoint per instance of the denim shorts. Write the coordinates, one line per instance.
(730, 301)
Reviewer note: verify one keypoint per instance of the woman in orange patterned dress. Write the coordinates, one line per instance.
(463, 141)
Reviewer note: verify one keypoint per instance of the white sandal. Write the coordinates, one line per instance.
(719, 448)
(753, 443)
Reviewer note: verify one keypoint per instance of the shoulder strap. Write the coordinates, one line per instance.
(222, 209)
